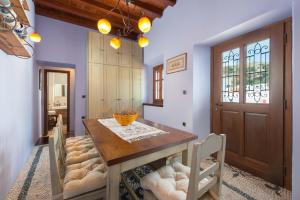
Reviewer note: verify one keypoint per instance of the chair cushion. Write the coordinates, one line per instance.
(169, 182)
(172, 181)
(78, 147)
(81, 156)
(84, 177)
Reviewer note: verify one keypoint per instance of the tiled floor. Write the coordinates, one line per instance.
(34, 182)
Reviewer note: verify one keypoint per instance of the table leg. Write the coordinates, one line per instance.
(187, 154)
(113, 182)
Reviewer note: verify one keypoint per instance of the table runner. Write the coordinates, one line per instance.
(134, 132)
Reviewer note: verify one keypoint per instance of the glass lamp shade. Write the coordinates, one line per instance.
(104, 26)
(35, 37)
(115, 43)
(144, 24)
(143, 41)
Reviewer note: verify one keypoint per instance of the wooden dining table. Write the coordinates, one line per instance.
(121, 156)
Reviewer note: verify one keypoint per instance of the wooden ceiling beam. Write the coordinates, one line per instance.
(170, 2)
(148, 9)
(73, 19)
(106, 8)
(63, 7)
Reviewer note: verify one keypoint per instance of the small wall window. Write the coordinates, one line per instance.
(158, 84)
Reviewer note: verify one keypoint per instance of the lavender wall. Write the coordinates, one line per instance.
(66, 43)
(18, 128)
(193, 27)
(296, 100)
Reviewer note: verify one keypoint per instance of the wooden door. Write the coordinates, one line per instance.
(137, 88)
(110, 90)
(95, 91)
(124, 89)
(247, 101)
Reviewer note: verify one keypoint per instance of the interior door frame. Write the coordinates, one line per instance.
(46, 71)
(287, 118)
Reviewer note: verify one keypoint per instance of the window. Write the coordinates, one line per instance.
(255, 70)
(231, 75)
(158, 84)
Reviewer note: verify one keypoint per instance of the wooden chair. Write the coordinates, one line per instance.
(194, 182)
(67, 141)
(85, 181)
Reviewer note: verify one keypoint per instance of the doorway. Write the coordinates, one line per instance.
(56, 99)
(249, 102)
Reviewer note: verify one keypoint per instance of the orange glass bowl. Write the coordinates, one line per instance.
(125, 119)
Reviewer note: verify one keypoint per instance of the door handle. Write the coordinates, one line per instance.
(217, 106)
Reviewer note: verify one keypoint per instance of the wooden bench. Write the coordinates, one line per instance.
(79, 181)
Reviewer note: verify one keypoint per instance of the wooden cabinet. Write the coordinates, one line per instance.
(111, 55)
(137, 89)
(115, 77)
(125, 88)
(96, 48)
(111, 90)
(125, 58)
(96, 90)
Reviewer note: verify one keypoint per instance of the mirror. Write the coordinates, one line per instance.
(60, 90)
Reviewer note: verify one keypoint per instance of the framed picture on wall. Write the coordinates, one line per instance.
(177, 63)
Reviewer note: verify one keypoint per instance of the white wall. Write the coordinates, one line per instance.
(201, 90)
(192, 26)
(296, 100)
(18, 128)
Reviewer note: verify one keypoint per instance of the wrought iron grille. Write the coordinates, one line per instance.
(231, 75)
(257, 73)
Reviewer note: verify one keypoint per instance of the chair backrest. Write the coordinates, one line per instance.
(60, 126)
(210, 178)
(56, 164)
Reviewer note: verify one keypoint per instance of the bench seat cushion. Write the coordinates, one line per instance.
(77, 140)
(84, 177)
(81, 156)
(79, 147)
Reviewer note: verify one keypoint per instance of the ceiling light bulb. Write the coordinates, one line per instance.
(104, 26)
(35, 37)
(144, 24)
(143, 41)
(115, 43)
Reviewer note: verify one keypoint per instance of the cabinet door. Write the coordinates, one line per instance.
(125, 54)
(125, 89)
(137, 56)
(95, 91)
(137, 89)
(96, 48)
(111, 90)
(111, 54)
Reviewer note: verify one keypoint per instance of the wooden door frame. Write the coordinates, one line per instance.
(287, 140)
(46, 98)
(288, 136)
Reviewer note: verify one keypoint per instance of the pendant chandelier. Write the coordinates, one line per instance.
(144, 25)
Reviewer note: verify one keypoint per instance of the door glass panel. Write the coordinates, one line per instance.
(257, 72)
(231, 75)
